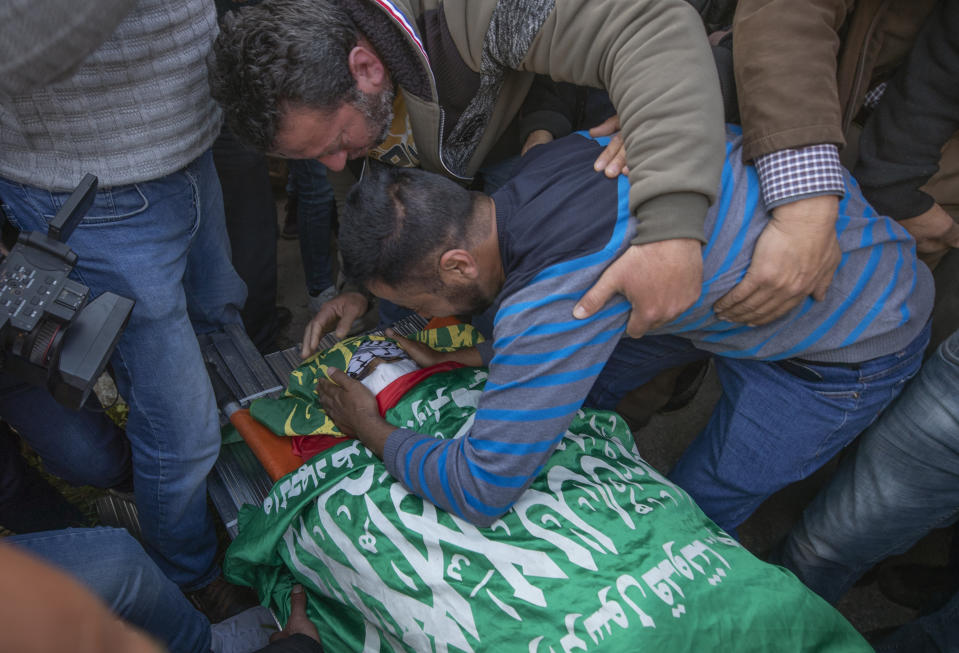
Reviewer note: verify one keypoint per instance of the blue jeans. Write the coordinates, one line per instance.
(28, 502)
(110, 563)
(775, 422)
(81, 447)
(934, 633)
(901, 482)
(251, 224)
(162, 243)
(315, 210)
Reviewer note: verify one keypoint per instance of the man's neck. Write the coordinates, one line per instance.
(488, 251)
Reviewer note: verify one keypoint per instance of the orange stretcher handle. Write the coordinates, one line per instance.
(274, 452)
(438, 322)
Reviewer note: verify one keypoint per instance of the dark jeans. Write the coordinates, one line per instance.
(251, 226)
(315, 211)
(28, 503)
(294, 644)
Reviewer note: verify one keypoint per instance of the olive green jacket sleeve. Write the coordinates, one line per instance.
(653, 58)
(785, 57)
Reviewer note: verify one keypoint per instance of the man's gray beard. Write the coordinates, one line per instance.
(378, 110)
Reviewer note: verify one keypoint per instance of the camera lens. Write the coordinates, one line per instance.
(46, 342)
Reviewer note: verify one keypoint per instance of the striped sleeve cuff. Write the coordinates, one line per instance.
(789, 175)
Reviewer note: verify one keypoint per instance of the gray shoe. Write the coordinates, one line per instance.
(245, 632)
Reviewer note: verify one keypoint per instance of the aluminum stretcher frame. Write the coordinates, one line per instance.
(241, 374)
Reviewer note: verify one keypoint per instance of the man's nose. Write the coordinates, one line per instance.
(334, 161)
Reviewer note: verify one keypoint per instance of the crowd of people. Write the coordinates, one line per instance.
(607, 189)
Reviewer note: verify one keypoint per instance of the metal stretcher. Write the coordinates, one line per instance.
(240, 374)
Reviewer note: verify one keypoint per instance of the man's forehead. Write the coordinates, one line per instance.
(302, 129)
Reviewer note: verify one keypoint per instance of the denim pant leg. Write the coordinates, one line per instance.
(315, 210)
(901, 482)
(934, 633)
(136, 241)
(251, 224)
(771, 427)
(80, 446)
(111, 564)
(28, 502)
(636, 361)
(215, 294)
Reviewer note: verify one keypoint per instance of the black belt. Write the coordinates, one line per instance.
(799, 367)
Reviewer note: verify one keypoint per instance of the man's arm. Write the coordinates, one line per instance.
(785, 60)
(785, 64)
(354, 408)
(654, 60)
(903, 138)
(42, 41)
(339, 314)
(538, 379)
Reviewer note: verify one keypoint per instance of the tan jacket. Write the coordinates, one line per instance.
(803, 66)
(651, 55)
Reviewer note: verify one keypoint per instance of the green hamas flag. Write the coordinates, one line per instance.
(297, 411)
(601, 553)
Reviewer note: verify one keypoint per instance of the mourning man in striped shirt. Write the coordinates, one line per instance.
(795, 391)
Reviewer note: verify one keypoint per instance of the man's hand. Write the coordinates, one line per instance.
(935, 232)
(536, 137)
(426, 356)
(298, 623)
(336, 315)
(353, 409)
(795, 256)
(660, 280)
(612, 160)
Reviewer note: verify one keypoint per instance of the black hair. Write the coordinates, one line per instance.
(276, 53)
(397, 221)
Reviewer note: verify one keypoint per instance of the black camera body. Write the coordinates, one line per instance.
(50, 335)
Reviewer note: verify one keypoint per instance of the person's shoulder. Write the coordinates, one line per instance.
(556, 209)
(556, 154)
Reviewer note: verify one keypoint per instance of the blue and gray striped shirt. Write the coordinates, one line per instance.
(560, 225)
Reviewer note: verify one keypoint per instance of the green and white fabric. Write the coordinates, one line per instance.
(601, 553)
(297, 411)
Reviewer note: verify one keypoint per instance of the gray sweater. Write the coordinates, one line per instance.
(133, 107)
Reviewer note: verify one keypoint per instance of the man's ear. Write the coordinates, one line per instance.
(369, 72)
(458, 265)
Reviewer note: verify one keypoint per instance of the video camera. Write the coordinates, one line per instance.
(50, 336)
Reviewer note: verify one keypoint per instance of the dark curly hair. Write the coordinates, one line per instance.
(276, 53)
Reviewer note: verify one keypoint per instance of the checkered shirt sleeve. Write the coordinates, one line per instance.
(789, 175)
(871, 101)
